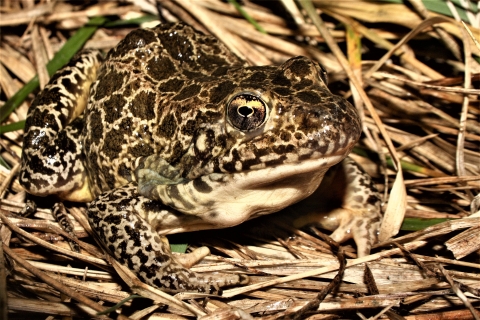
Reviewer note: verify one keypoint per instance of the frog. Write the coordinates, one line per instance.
(172, 132)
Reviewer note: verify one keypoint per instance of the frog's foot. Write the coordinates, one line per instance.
(190, 259)
(346, 223)
(360, 226)
(359, 216)
(346, 203)
(115, 217)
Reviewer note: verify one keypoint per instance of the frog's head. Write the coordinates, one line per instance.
(290, 118)
(276, 132)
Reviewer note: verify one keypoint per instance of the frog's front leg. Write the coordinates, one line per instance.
(117, 217)
(52, 158)
(346, 203)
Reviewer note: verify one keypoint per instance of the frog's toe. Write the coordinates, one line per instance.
(192, 258)
(359, 225)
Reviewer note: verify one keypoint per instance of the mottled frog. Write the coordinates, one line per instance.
(172, 132)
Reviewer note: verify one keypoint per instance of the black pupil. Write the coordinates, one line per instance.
(245, 111)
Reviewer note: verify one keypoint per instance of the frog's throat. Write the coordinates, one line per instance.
(229, 199)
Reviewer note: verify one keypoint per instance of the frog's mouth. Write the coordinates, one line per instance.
(224, 200)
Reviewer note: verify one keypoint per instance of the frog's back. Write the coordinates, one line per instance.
(136, 105)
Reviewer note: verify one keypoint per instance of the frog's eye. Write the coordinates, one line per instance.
(246, 112)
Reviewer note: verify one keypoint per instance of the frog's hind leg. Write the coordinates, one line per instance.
(52, 160)
(346, 203)
(116, 218)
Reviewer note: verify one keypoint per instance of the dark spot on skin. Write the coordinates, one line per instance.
(247, 164)
(228, 166)
(372, 199)
(167, 127)
(283, 149)
(96, 127)
(161, 284)
(309, 97)
(175, 195)
(285, 136)
(153, 206)
(358, 199)
(221, 141)
(115, 139)
(113, 220)
(143, 105)
(160, 68)
(178, 45)
(188, 92)
(363, 182)
(37, 164)
(190, 75)
(177, 153)
(143, 258)
(212, 60)
(110, 82)
(125, 172)
(140, 150)
(126, 126)
(257, 77)
(300, 67)
(172, 85)
(220, 92)
(281, 80)
(156, 238)
(131, 87)
(100, 206)
(209, 116)
(189, 128)
(303, 84)
(67, 84)
(283, 91)
(220, 71)
(113, 108)
(275, 162)
(201, 186)
(132, 42)
(43, 118)
(109, 177)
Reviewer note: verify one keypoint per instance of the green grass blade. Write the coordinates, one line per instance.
(4, 163)
(179, 247)
(247, 16)
(12, 127)
(441, 7)
(415, 224)
(121, 303)
(72, 46)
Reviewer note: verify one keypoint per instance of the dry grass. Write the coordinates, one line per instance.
(420, 107)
